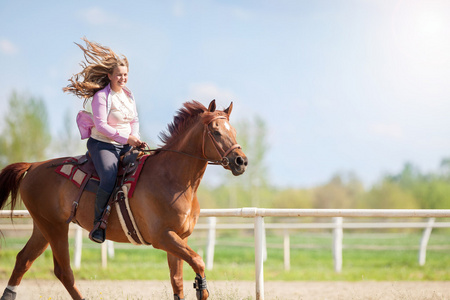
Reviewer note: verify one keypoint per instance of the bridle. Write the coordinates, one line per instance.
(223, 154)
(224, 161)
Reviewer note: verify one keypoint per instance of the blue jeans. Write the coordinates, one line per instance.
(106, 158)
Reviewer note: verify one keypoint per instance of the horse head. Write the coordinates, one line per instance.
(219, 140)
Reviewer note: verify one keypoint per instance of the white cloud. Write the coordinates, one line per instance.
(241, 14)
(209, 91)
(7, 47)
(96, 16)
(392, 131)
(178, 8)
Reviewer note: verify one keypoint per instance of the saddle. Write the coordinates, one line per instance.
(81, 171)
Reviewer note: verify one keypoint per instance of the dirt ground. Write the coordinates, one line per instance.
(94, 290)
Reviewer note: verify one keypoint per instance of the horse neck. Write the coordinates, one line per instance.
(188, 169)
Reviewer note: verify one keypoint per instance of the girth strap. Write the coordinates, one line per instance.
(120, 198)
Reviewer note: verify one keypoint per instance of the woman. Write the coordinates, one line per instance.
(110, 118)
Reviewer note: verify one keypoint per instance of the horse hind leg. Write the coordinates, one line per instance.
(35, 246)
(59, 241)
(176, 276)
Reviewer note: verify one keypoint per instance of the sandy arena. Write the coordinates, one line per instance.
(95, 290)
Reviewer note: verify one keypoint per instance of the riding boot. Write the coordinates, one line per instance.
(98, 232)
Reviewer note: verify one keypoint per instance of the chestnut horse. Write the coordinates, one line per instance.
(164, 203)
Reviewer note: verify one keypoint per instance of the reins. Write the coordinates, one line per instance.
(206, 131)
(212, 162)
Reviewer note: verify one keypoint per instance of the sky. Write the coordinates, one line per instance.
(342, 86)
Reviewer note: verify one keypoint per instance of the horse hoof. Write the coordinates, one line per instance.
(8, 295)
(203, 294)
(201, 287)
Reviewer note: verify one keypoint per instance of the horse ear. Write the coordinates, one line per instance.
(229, 109)
(212, 106)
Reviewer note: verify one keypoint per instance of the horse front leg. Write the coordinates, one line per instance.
(174, 245)
(176, 276)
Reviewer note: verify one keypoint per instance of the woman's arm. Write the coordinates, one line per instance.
(100, 116)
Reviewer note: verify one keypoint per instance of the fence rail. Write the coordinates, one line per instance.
(259, 227)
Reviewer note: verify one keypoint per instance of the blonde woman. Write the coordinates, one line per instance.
(109, 121)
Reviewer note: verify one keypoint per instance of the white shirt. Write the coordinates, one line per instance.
(120, 116)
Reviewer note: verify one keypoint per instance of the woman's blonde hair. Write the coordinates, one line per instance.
(99, 62)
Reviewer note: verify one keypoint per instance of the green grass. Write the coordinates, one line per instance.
(311, 258)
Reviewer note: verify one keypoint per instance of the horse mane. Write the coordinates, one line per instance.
(182, 120)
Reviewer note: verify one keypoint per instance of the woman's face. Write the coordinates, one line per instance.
(118, 78)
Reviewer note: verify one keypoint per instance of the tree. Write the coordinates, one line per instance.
(25, 135)
(389, 195)
(69, 142)
(342, 191)
(293, 198)
(249, 189)
(252, 138)
(430, 190)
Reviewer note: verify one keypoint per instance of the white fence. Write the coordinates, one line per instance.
(259, 213)
(337, 227)
(259, 228)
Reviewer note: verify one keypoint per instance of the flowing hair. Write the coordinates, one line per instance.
(99, 62)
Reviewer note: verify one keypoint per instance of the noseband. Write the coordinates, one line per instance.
(222, 153)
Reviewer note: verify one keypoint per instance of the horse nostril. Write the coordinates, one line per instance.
(239, 161)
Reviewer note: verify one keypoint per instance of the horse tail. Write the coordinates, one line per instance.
(10, 178)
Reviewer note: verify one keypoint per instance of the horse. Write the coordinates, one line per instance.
(164, 203)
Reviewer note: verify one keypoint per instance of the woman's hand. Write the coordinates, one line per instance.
(134, 141)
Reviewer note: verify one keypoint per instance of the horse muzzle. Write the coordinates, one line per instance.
(236, 162)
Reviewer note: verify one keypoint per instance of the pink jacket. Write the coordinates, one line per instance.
(101, 105)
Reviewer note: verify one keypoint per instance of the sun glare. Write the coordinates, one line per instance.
(421, 30)
(430, 24)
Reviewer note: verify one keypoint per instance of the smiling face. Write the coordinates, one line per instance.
(118, 78)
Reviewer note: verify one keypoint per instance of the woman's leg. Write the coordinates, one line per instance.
(106, 159)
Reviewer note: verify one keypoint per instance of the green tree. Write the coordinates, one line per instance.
(389, 195)
(249, 189)
(342, 191)
(25, 135)
(69, 142)
(293, 198)
(430, 190)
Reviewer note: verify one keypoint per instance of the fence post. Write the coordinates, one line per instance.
(424, 241)
(104, 255)
(264, 241)
(78, 247)
(287, 251)
(211, 242)
(338, 235)
(259, 257)
(110, 246)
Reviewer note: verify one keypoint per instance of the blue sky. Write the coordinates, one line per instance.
(358, 86)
